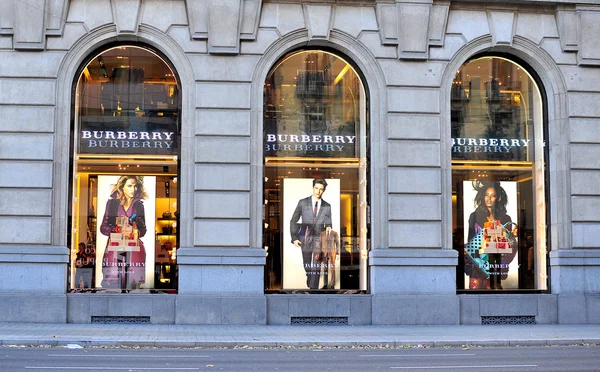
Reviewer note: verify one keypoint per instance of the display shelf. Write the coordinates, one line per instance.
(162, 234)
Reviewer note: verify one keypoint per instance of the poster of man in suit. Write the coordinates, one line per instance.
(311, 216)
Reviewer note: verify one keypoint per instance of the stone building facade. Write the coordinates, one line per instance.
(394, 72)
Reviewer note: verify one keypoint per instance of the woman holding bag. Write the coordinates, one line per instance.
(490, 206)
(124, 266)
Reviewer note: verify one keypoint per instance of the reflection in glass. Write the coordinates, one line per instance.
(315, 137)
(498, 194)
(124, 208)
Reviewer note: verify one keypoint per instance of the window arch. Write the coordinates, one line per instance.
(125, 167)
(498, 176)
(315, 167)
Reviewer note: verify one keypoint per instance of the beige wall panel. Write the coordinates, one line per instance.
(438, 21)
(452, 43)
(224, 26)
(7, 15)
(414, 100)
(27, 91)
(353, 20)
(413, 35)
(415, 234)
(406, 126)
(285, 17)
(6, 42)
(221, 233)
(223, 95)
(585, 183)
(29, 31)
(501, 26)
(26, 146)
(373, 43)
(93, 13)
(554, 49)
(214, 149)
(585, 156)
(414, 208)
(414, 153)
(27, 119)
(56, 15)
(223, 122)
(582, 79)
(469, 23)
(126, 13)
(589, 40)
(162, 14)
(30, 64)
(216, 67)
(233, 177)
(250, 19)
(585, 235)
(264, 39)
(181, 35)
(222, 204)
(72, 33)
(585, 208)
(414, 180)
(409, 73)
(25, 173)
(318, 20)
(35, 230)
(584, 104)
(25, 202)
(535, 27)
(584, 130)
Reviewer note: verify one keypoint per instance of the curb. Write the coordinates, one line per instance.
(296, 344)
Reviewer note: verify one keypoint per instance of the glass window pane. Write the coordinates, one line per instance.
(315, 175)
(124, 233)
(498, 183)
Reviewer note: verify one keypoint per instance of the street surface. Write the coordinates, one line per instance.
(509, 359)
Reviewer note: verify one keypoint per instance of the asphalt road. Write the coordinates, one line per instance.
(513, 359)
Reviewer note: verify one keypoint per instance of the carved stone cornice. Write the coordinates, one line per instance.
(223, 23)
(412, 25)
(30, 22)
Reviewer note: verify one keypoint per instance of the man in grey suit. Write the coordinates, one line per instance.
(316, 217)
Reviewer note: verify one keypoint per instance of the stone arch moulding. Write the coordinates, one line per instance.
(63, 116)
(374, 82)
(555, 91)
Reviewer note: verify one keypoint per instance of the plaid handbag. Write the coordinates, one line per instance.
(476, 262)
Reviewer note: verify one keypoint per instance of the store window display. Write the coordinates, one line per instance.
(498, 176)
(126, 154)
(316, 231)
(124, 222)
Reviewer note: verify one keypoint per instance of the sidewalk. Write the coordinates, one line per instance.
(295, 336)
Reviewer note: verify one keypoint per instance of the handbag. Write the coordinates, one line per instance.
(474, 260)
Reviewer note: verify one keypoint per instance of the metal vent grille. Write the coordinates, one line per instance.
(512, 319)
(319, 320)
(120, 319)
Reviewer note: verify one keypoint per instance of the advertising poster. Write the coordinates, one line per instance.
(125, 238)
(491, 246)
(311, 242)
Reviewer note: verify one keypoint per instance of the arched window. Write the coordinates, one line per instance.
(125, 173)
(498, 177)
(315, 175)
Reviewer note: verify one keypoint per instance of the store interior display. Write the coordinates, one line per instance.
(497, 145)
(315, 128)
(127, 119)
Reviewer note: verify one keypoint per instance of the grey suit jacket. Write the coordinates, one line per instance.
(304, 209)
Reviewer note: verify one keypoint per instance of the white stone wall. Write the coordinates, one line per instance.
(408, 52)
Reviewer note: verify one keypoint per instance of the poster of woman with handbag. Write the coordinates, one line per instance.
(126, 221)
(490, 239)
